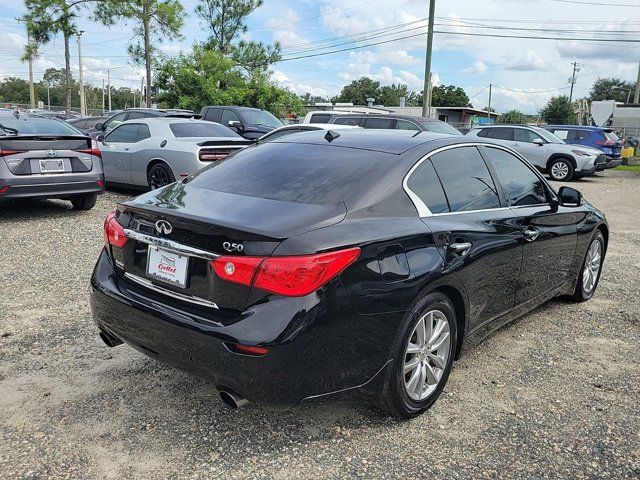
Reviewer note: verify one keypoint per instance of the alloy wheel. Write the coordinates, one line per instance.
(592, 264)
(560, 170)
(426, 355)
(158, 178)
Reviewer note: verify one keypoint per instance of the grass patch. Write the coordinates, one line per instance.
(629, 168)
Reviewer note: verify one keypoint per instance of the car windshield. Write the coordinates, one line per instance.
(260, 117)
(440, 127)
(547, 135)
(201, 129)
(26, 125)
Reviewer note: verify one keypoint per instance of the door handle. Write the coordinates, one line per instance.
(126, 148)
(460, 248)
(530, 234)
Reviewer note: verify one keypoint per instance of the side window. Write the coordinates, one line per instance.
(521, 185)
(582, 134)
(136, 115)
(114, 122)
(561, 134)
(123, 134)
(212, 115)
(405, 125)
(320, 118)
(466, 179)
(500, 133)
(229, 116)
(347, 121)
(524, 135)
(143, 132)
(379, 123)
(484, 132)
(425, 184)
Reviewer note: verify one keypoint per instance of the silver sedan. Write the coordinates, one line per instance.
(154, 152)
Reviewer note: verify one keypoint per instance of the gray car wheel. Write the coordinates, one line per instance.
(591, 269)
(160, 175)
(84, 202)
(560, 170)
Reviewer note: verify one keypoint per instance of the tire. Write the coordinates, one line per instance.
(399, 398)
(84, 202)
(159, 175)
(589, 275)
(560, 170)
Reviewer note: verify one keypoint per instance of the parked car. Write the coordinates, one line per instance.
(599, 138)
(314, 266)
(117, 118)
(153, 152)
(543, 149)
(394, 122)
(86, 123)
(323, 116)
(48, 158)
(300, 127)
(250, 123)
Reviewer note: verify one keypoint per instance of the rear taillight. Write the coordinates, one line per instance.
(288, 276)
(4, 189)
(607, 143)
(113, 231)
(94, 150)
(4, 152)
(213, 155)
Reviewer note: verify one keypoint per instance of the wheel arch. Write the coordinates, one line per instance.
(460, 307)
(564, 156)
(155, 161)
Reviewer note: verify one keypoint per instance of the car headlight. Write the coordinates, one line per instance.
(582, 153)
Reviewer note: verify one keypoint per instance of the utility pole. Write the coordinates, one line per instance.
(109, 87)
(102, 94)
(636, 96)
(141, 91)
(489, 106)
(83, 108)
(572, 80)
(48, 97)
(426, 94)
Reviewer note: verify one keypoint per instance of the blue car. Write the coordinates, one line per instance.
(601, 138)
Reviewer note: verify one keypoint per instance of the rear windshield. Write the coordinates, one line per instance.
(300, 173)
(36, 126)
(611, 136)
(201, 129)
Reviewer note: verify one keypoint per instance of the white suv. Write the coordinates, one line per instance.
(544, 150)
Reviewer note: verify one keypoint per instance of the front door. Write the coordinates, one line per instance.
(116, 153)
(523, 144)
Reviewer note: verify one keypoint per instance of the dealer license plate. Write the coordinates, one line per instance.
(167, 266)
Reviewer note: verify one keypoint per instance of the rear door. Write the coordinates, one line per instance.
(472, 227)
(549, 232)
(116, 153)
(523, 143)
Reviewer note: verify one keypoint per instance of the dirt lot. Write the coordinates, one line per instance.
(555, 394)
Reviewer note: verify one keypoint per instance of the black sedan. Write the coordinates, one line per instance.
(333, 264)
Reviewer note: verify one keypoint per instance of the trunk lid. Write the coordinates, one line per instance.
(217, 223)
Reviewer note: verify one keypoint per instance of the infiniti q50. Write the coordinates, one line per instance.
(332, 264)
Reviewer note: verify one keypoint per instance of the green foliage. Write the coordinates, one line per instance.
(225, 20)
(611, 89)
(449, 96)
(558, 111)
(513, 117)
(309, 99)
(207, 77)
(358, 91)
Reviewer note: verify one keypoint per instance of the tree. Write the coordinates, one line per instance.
(225, 20)
(155, 20)
(558, 111)
(611, 89)
(449, 96)
(45, 19)
(390, 95)
(513, 117)
(358, 91)
(309, 99)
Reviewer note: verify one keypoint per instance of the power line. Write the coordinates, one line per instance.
(582, 2)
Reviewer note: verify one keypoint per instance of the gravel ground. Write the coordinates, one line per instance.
(554, 394)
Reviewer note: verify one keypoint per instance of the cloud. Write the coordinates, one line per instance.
(284, 30)
(300, 88)
(13, 43)
(526, 62)
(170, 48)
(478, 67)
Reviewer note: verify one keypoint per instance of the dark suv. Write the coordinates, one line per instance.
(394, 122)
(134, 114)
(250, 123)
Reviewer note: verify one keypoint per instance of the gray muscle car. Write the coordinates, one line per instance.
(153, 152)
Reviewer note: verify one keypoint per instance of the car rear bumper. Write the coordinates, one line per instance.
(587, 172)
(312, 354)
(51, 186)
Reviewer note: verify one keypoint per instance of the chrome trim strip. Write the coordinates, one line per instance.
(186, 298)
(423, 210)
(170, 245)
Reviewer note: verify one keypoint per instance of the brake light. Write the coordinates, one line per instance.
(94, 150)
(608, 143)
(113, 231)
(213, 155)
(4, 152)
(289, 276)
(4, 189)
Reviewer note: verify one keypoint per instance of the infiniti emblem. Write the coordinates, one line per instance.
(51, 153)
(162, 226)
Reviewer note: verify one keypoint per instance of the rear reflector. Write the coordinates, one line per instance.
(247, 349)
(113, 231)
(4, 189)
(289, 276)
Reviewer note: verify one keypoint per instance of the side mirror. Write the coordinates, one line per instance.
(99, 126)
(100, 138)
(569, 197)
(538, 141)
(235, 124)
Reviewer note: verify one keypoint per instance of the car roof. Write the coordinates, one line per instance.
(383, 140)
(395, 116)
(581, 127)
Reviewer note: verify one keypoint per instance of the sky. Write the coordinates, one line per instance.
(525, 72)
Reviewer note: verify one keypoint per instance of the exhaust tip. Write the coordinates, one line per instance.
(232, 399)
(109, 339)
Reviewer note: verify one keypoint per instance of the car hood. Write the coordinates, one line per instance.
(569, 148)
